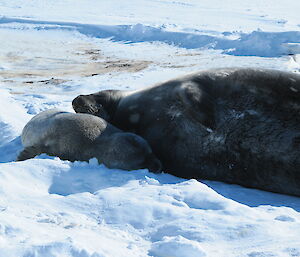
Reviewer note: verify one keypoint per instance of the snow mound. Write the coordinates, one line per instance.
(83, 209)
(176, 247)
(10, 124)
(256, 43)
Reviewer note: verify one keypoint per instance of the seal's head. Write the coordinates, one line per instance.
(129, 151)
(102, 104)
(88, 104)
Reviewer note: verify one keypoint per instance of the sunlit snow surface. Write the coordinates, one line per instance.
(51, 51)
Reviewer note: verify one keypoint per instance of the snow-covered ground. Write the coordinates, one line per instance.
(51, 51)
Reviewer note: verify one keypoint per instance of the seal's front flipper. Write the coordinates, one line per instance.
(28, 153)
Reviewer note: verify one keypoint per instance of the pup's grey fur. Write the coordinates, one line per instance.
(236, 125)
(72, 136)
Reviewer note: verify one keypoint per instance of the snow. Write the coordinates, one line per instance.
(52, 51)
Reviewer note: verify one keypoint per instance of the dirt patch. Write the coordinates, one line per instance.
(52, 81)
(61, 63)
(64, 71)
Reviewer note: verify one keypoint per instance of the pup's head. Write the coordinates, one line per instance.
(129, 151)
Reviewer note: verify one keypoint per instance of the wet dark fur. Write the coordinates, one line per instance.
(234, 125)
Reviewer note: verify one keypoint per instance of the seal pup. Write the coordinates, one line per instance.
(81, 137)
(236, 125)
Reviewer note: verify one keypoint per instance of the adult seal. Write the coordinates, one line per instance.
(72, 136)
(237, 125)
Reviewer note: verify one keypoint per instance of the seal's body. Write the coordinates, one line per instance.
(72, 136)
(234, 125)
